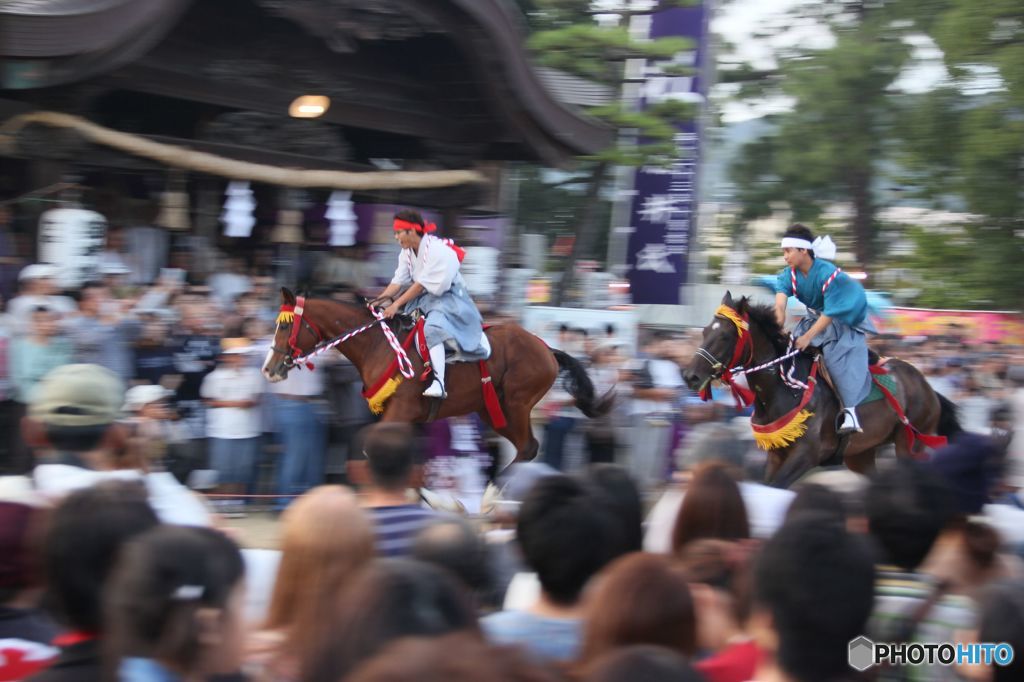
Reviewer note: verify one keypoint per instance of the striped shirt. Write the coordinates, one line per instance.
(397, 527)
(898, 594)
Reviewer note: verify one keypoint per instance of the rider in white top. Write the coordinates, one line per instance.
(429, 267)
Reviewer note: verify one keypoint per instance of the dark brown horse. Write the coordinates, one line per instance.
(927, 410)
(522, 368)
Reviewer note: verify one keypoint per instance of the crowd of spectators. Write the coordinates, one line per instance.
(641, 546)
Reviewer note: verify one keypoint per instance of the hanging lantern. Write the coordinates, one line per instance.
(174, 205)
(237, 214)
(342, 216)
(289, 227)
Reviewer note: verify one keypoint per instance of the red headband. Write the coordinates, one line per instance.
(406, 225)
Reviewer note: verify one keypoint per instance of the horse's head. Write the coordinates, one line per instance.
(293, 337)
(718, 349)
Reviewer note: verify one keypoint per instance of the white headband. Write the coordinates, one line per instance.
(796, 243)
(823, 247)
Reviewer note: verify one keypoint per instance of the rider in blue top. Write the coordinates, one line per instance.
(836, 319)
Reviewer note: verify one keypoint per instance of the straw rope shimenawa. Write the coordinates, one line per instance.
(202, 162)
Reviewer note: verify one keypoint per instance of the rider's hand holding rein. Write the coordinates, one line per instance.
(819, 326)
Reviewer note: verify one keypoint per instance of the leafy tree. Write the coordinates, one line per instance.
(831, 145)
(565, 36)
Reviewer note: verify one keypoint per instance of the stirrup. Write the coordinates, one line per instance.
(437, 392)
(850, 424)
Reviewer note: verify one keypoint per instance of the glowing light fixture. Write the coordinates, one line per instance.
(309, 106)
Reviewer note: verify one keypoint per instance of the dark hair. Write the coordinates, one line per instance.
(1002, 620)
(722, 565)
(817, 582)
(660, 607)
(453, 658)
(391, 599)
(75, 438)
(812, 498)
(453, 544)
(712, 508)
(86, 534)
(907, 505)
(641, 663)
(799, 231)
(615, 490)
(410, 216)
(390, 449)
(565, 536)
(163, 578)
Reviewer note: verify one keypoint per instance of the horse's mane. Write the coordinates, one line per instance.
(764, 317)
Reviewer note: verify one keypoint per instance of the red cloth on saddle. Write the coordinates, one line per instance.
(912, 432)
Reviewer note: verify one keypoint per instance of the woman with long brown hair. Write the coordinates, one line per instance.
(326, 540)
(713, 508)
(660, 607)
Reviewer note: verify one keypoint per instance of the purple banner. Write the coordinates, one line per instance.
(664, 207)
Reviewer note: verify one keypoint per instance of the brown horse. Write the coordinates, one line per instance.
(522, 368)
(928, 411)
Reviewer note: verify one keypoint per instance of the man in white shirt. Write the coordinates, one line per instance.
(657, 387)
(232, 393)
(299, 421)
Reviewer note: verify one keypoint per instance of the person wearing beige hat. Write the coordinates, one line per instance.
(74, 423)
(232, 393)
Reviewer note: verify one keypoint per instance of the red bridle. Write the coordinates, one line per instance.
(293, 315)
(723, 372)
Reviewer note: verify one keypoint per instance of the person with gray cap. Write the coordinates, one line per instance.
(766, 506)
(73, 420)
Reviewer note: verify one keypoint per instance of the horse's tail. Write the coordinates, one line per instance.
(949, 420)
(580, 387)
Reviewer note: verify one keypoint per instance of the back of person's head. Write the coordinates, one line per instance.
(849, 487)
(812, 498)
(86, 535)
(454, 544)
(76, 405)
(713, 442)
(712, 508)
(326, 539)
(565, 536)
(390, 599)
(660, 607)
(617, 492)
(724, 566)
(452, 658)
(908, 505)
(1002, 620)
(971, 465)
(641, 663)
(815, 582)
(176, 597)
(391, 454)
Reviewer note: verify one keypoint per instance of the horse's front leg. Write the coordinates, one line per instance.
(787, 465)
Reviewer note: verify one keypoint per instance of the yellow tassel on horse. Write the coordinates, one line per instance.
(377, 400)
(285, 317)
(784, 435)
